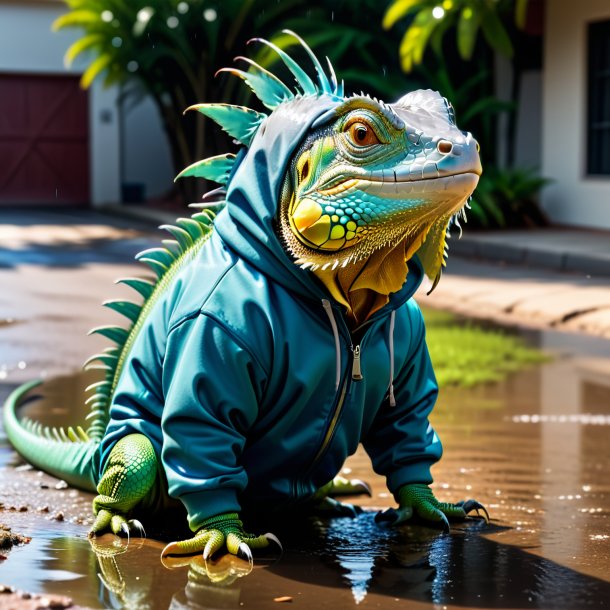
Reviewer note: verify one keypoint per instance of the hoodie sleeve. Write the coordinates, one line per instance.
(401, 442)
(212, 387)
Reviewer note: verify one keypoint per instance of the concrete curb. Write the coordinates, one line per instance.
(550, 256)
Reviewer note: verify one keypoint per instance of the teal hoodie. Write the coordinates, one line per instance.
(243, 374)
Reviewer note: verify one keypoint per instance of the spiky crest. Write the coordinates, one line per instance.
(189, 234)
(239, 122)
(302, 78)
(215, 168)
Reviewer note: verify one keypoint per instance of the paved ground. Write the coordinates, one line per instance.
(526, 449)
(516, 294)
(55, 270)
(558, 249)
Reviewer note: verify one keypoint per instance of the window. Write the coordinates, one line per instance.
(598, 120)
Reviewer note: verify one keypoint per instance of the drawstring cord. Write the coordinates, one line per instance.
(329, 312)
(391, 338)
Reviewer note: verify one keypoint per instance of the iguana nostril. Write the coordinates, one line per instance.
(478, 146)
(444, 147)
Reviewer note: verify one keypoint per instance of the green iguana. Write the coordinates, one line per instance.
(281, 333)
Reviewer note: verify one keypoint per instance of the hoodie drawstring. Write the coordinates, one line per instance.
(391, 341)
(329, 312)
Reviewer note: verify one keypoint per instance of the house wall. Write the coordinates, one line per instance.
(573, 198)
(528, 121)
(27, 45)
(146, 153)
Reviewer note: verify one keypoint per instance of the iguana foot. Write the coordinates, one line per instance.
(417, 499)
(340, 486)
(128, 478)
(324, 504)
(117, 524)
(328, 507)
(221, 531)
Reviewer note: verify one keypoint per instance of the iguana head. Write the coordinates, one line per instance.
(376, 175)
(345, 181)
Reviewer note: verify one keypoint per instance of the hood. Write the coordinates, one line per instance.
(246, 224)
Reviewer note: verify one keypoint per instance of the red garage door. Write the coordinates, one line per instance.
(44, 140)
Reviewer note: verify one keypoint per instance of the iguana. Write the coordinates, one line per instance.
(280, 333)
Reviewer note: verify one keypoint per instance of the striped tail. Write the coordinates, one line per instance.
(70, 456)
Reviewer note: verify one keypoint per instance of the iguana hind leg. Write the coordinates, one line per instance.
(324, 499)
(128, 479)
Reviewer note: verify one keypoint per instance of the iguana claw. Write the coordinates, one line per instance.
(470, 505)
(125, 530)
(134, 524)
(333, 508)
(244, 550)
(446, 526)
(273, 538)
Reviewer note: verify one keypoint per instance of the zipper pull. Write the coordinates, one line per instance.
(356, 371)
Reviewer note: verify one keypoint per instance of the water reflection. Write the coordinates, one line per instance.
(342, 563)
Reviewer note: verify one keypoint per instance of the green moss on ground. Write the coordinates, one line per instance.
(467, 354)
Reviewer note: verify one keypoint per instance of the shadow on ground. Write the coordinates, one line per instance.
(70, 238)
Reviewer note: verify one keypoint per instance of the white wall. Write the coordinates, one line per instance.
(574, 198)
(528, 122)
(27, 44)
(528, 151)
(146, 152)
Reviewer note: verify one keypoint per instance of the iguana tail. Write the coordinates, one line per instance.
(67, 454)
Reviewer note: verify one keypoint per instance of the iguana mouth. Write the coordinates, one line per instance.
(386, 178)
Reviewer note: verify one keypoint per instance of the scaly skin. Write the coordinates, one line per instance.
(362, 193)
(418, 500)
(129, 477)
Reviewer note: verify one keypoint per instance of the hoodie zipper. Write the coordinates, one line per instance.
(356, 375)
(356, 370)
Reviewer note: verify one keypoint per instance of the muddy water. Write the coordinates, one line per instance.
(534, 449)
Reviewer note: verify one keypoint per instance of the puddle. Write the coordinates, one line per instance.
(534, 449)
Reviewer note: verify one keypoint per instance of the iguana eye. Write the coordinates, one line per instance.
(362, 134)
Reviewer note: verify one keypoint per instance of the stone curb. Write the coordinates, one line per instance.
(550, 258)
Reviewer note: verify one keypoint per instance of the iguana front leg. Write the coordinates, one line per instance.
(217, 532)
(128, 478)
(418, 500)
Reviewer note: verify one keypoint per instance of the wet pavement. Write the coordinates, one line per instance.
(533, 449)
(574, 302)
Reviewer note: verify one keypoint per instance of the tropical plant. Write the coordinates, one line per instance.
(171, 49)
(431, 19)
(507, 198)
